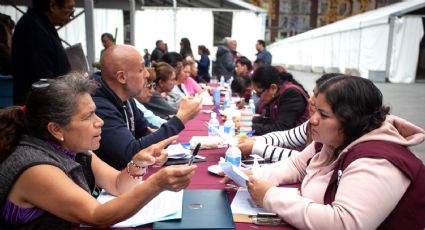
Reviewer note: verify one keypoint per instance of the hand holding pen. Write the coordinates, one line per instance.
(195, 152)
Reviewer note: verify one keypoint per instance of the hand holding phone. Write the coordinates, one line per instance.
(195, 152)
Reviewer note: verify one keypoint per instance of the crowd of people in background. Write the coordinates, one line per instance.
(107, 129)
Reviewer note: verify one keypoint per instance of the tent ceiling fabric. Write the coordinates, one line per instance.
(113, 4)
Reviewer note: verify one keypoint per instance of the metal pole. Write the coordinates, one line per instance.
(175, 25)
(391, 19)
(89, 18)
(132, 21)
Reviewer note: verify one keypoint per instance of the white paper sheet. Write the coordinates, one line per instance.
(234, 173)
(166, 206)
(177, 151)
(243, 203)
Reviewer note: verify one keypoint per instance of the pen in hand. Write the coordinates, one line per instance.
(195, 152)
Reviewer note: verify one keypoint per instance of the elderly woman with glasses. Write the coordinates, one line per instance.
(49, 172)
(284, 102)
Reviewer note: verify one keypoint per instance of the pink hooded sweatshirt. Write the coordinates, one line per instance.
(369, 189)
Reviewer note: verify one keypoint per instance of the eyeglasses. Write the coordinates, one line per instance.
(41, 84)
(150, 85)
(258, 93)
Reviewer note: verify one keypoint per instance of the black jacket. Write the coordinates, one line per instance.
(125, 131)
(37, 52)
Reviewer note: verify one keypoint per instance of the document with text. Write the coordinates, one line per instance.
(166, 206)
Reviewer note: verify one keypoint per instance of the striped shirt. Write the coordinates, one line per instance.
(279, 145)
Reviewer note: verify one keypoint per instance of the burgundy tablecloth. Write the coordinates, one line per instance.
(202, 178)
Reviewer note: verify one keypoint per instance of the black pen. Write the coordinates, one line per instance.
(195, 152)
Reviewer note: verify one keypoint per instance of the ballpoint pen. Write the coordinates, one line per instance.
(195, 152)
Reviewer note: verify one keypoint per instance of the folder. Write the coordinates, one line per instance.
(202, 209)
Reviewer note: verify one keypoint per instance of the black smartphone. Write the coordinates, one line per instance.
(195, 152)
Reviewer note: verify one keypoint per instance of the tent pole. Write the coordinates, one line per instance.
(391, 19)
(132, 21)
(88, 12)
(175, 25)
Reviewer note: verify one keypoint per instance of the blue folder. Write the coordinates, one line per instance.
(202, 209)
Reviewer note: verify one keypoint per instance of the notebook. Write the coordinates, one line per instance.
(202, 209)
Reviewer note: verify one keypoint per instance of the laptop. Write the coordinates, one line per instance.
(202, 209)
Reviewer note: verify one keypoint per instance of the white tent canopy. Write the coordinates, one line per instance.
(384, 41)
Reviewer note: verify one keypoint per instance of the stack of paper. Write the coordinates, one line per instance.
(207, 142)
(177, 151)
(166, 206)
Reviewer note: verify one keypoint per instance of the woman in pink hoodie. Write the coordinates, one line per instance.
(364, 176)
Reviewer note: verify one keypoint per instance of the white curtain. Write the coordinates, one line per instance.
(12, 12)
(373, 49)
(247, 28)
(152, 25)
(198, 26)
(107, 21)
(170, 26)
(408, 32)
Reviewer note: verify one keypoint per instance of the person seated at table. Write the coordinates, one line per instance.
(185, 86)
(279, 145)
(145, 96)
(243, 67)
(284, 102)
(126, 131)
(242, 87)
(164, 82)
(176, 61)
(49, 171)
(192, 84)
(364, 176)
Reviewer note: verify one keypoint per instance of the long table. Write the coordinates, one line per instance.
(202, 179)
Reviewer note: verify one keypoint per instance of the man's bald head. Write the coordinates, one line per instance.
(118, 58)
(121, 68)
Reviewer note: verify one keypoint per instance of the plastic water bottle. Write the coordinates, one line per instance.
(216, 97)
(252, 106)
(213, 123)
(233, 156)
(229, 125)
(222, 81)
(226, 101)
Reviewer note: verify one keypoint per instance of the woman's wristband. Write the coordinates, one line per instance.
(133, 174)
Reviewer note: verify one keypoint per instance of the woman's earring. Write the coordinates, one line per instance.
(62, 139)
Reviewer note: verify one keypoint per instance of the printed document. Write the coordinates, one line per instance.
(244, 204)
(166, 206)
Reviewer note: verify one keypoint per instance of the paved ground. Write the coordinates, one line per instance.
(405, 100)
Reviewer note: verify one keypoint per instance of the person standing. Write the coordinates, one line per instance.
(158, 52)
(107, 41)
(224, 60)
(147, 57)
(204, 63)
(6, 30)
(185, 49)
(37, 50)
(263, 54)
